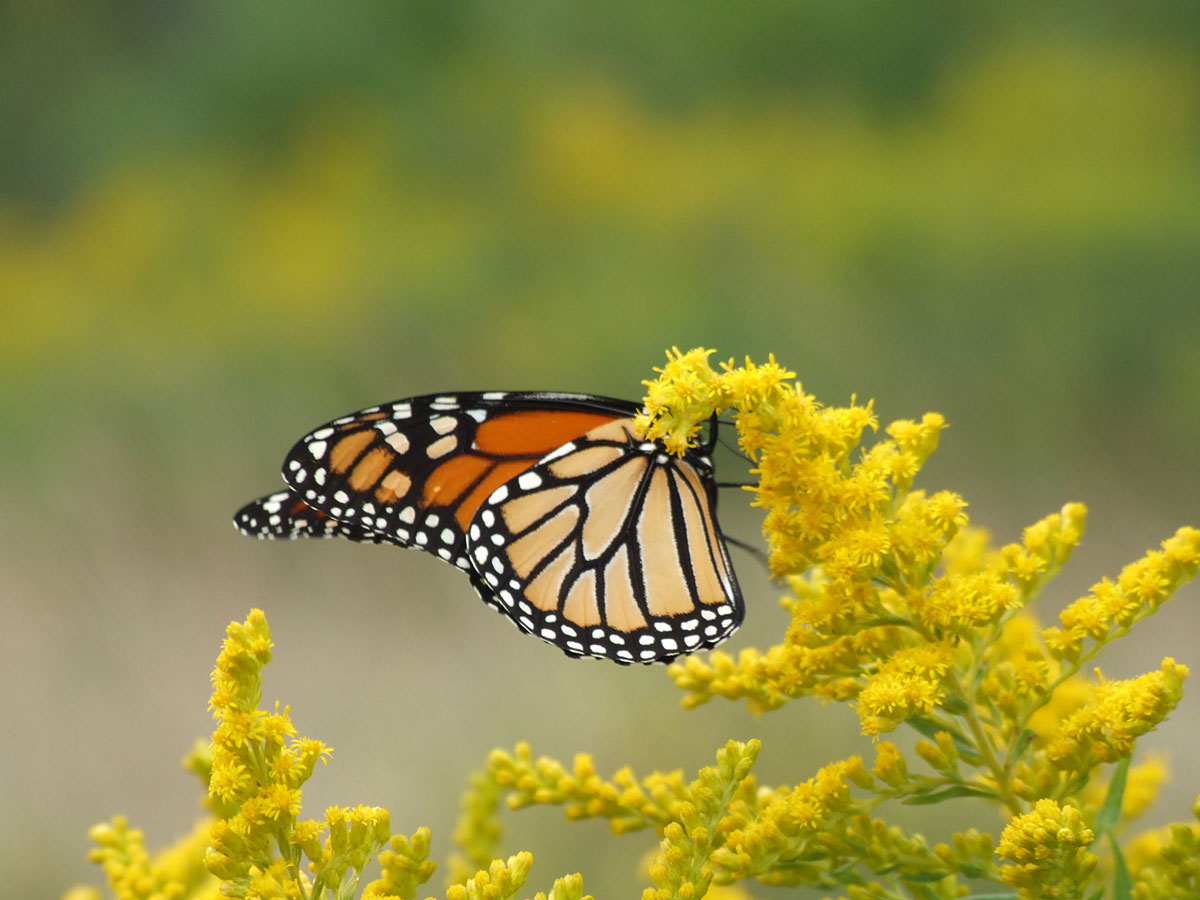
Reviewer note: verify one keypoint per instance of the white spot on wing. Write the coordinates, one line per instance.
(566, 448)
(443, 424)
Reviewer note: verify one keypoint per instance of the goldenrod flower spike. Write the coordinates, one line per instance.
(896, 603)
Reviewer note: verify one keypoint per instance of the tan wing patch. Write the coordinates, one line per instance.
(545, 590)
(662, 571)
(370, 468)
(581, 462)
(522, 512)
(608, 505)
(712, 584)
(525, 552)
(395, 484)
(620, 604)
(580, 606)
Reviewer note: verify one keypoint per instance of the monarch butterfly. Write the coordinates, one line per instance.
(566, 522)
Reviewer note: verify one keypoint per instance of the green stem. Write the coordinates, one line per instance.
(983, 743)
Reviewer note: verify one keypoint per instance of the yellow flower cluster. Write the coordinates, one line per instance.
(901, 607)
(688, 853)
(258, 766)
(1165, 863)
(691, 818)
(787, 822)
(1112, 607)
(1048, 849)
(257, 848)
(899, 576)
(501, 881)
(177, 872)
(821, 506)
(626, 803)
(404, 868)
(1105, 728)
(906, 684)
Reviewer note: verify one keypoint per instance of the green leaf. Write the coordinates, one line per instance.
(922, 877)
(1022, 744)
(848, 873)
(957, 790)
(990, 897)
(1110, 810)
(1122, 883)
(1097, 894)
(955, 705)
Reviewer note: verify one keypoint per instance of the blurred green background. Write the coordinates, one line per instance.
(224, 223)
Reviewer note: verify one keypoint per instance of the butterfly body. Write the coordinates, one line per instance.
(566, 522)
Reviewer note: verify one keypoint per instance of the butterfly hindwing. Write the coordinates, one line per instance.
(609, 547)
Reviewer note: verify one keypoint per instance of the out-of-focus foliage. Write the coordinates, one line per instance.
(284, 180)
(222, 223)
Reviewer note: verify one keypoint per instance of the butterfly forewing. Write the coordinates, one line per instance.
(609, 547)
(283, 516)
(417, 470)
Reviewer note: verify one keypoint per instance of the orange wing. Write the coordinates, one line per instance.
(415, 471)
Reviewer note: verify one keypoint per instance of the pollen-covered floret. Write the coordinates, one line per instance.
(1048, 851)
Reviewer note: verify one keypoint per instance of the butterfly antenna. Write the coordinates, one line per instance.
(756, 552)
(735, 484)
(731, 446)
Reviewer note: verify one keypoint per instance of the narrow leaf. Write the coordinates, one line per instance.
(957, 790)
(955, 705)
(1022, 745)
(1110, 810)
(1122, 883)
(922, 877)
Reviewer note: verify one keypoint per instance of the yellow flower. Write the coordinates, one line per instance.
(1048, 849)
(1118, 712)
(1110, 608)
(133, 874)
